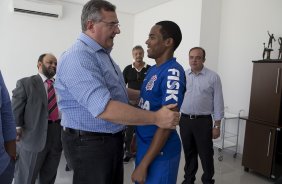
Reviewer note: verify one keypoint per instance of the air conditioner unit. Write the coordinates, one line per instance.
(37, 8)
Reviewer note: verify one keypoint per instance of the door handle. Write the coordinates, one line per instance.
(277, 80)
(269, 141)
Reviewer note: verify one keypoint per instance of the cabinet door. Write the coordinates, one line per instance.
(266, 93)
(277, 160)
(258, 147)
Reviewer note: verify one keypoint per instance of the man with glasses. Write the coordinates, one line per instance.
(134, 75)
(93, 99)
(35, 109)
(202, 104)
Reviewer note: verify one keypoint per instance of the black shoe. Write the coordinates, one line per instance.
(126, 159)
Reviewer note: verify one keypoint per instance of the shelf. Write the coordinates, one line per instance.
(228, 115)
(228, 135)
(227, 144)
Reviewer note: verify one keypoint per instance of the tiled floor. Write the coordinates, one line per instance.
(228, 171)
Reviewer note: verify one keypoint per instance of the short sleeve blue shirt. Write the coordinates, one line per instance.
(164, 84)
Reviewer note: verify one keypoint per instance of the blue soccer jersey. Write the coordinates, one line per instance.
(164, 84)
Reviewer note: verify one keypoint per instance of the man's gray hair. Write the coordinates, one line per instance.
(92, 11)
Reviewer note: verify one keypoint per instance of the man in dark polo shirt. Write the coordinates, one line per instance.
(134, 75)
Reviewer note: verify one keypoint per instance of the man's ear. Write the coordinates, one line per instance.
(39, 64)
(90, 25)
(169, 42)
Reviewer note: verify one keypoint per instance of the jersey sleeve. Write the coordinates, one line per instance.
(173, 86)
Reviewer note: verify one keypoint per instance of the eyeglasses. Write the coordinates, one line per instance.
(111, 25)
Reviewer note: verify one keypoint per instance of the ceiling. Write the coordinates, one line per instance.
(128, 6)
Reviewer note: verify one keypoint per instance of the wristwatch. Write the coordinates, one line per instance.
(216, 126)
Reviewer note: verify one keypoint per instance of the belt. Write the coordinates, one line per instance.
(193, 116)
(57, 121)
(87, 133)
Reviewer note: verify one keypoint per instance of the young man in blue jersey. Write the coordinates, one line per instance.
(158, 150)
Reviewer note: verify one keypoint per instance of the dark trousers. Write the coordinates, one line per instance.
(94, 159)
(196, 135)
(129, 131)
(48, 159)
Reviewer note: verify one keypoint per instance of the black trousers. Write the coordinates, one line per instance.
(129, 131)
(48, 159)
(94, 158)
(196, 136)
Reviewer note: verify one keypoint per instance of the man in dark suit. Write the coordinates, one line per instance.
(39, 145)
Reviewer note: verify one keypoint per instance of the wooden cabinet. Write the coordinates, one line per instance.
(265, 103)
(262, 136)
(258, 147)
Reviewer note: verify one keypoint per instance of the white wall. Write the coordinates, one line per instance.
(186, 13)
(124, 41)
(210, 31)
(244, 26)
(243, 30)
(25, 37)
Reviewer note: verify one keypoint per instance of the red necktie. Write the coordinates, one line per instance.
(52, 102)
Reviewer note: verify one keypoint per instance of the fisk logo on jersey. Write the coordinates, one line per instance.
(172, 84)
(150, 84)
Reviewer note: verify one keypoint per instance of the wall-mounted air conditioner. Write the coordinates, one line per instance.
(36, 7)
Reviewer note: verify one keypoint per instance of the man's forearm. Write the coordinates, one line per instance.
(122, 113)
(118, 112)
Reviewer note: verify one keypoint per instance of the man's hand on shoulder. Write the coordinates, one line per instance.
(167, 118)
